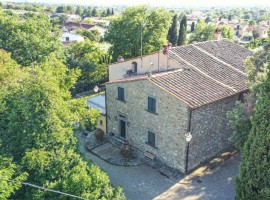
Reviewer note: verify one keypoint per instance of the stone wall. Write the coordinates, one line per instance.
(210, 130)
(170, 124)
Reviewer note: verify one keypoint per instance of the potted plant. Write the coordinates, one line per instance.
(99, 133)
(126, 150)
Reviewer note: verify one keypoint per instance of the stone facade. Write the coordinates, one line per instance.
(170, 124)
(210, 130)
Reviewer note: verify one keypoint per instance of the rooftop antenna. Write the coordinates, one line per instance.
(142, 26)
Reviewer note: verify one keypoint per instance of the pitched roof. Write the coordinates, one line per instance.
(209, 71)
(76, 25)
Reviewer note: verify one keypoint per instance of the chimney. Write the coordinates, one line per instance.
(217, 34)
(120, 59)
(166, 48)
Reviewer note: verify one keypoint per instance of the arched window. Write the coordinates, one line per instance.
(134, 67)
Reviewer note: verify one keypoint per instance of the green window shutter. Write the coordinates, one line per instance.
(151, 104)
(151, 138)
(121, 94)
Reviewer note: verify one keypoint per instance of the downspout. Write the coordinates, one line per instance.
(158, 60)
(106, 110)
(187, 147)
(189, 122)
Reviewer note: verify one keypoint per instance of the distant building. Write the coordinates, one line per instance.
(70, 37)
(71, 26)
(98, 103)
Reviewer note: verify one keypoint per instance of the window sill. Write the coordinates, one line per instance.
(151, 112)
(121, 100)
(151, 145)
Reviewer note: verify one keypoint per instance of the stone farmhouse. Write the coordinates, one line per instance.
(155, 100)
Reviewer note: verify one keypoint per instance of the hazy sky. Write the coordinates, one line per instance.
(168, 3)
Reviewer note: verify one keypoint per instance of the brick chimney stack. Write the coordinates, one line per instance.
(217, 34)
(120, 59)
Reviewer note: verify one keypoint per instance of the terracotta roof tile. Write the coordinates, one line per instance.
(210, 71)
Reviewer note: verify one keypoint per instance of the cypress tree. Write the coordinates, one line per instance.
(112, 12)
(94, 12)
(253, 181)
(182, 38)
(108, 12)
(192, 27)
(173, 33)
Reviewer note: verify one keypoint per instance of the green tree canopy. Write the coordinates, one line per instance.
(125, 31)
(203, 32)
(36, 128)
(173, 31)
(182, 37)
(227, 32)
(253, 181)
(7, 172)
(192, 27)
(29, 40)
(79, 10)
(89, 57)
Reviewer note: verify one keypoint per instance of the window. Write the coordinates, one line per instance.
(151, 138)
(100, 122)
(67, 39)
(121, 94)
(151, 105)
(134, 67)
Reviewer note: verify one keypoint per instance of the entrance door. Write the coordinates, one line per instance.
(122, 128)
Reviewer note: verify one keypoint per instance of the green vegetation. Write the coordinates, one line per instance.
(125, 31)
(91, 60)
(36, 129)
(182, 38)
(203, 32)
(227, 32)
(28, 39)
(173, 31)
(253, 181)
(250, 122)
(7, 172)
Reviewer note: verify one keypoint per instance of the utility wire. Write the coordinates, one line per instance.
(42, 188)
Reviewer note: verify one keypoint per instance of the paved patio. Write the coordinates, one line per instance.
(145, 182)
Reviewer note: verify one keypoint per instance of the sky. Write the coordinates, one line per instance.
(166, 3)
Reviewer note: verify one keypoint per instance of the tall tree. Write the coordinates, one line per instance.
(112, 11)
(253, 181)
(182, 38)
(36, 128)
(94, 12)
(92, 61)
(70, 9)
(108, 12)
(207, 19)
(227, 32)
(79, 10)
(136, 22)
(173, 31)
(203, 32)
(29, 40)
(192, 27)
(7, 172)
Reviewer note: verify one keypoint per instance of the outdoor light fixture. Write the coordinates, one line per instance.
(188, 137)
(96, 89)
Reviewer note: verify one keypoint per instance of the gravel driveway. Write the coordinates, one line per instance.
(144, 183)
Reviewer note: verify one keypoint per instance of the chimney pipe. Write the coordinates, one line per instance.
(120, 59)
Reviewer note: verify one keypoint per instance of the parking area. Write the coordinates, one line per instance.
(145, 183)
